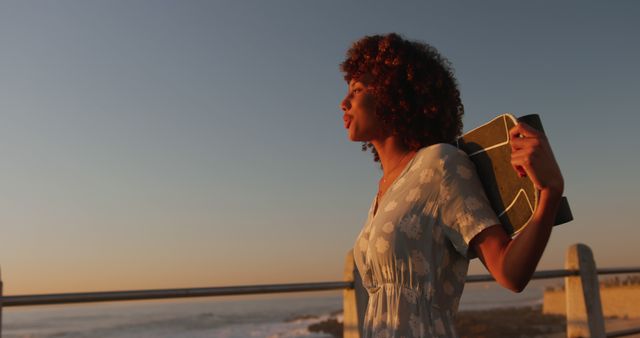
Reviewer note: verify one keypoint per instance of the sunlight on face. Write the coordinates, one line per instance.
(359, 111)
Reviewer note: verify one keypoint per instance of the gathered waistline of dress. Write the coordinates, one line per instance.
(419, 288)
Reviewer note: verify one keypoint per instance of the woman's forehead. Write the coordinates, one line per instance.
(365, 79)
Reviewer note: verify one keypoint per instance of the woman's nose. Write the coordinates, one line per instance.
(345, 104)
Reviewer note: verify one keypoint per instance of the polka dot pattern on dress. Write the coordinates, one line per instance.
(413, 195)
(472, 203)
(464, 172)
(411, 255)
(419, 263)
(382, 245)
(398, 184)
(411, 227)
(390, 206)
(426, 175)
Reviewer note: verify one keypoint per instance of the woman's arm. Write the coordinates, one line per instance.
(513, 261)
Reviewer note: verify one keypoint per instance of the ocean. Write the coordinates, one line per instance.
(272, 316)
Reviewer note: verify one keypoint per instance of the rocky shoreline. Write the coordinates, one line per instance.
(503, 322)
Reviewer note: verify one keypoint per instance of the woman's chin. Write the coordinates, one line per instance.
(353, 137)
(359, 137)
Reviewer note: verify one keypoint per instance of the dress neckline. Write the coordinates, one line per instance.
(376, 201)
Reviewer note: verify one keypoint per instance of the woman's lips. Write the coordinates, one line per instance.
(347, 120)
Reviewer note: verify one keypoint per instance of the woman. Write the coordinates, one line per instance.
(430, 215)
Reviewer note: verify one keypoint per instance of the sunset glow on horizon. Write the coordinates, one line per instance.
(167, 144)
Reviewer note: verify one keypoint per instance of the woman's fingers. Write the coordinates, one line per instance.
(531, 156)
(520, 162)
(524, 149)
(519, 169)
(522, 129)
(517, 142)
(523, 135)
(526, 142)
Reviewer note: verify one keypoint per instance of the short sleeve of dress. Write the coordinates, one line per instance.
(463, 207)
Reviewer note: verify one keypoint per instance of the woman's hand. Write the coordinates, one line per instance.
(513, 261)
(531, 156)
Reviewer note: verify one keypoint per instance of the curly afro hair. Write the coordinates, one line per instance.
(416, 93)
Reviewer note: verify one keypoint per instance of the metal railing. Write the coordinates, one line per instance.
(90, 297)
(354, 305)
(110, 296)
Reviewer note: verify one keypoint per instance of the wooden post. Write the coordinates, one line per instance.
(584, 308)
(354, 300)
(1, 295)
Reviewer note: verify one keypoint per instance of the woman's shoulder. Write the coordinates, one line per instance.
(441, 151)
(442, 158)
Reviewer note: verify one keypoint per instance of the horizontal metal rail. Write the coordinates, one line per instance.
(546, 274)
(623, 333)
(617, 271)
(88, 297)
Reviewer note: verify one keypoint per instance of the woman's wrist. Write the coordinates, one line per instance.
(553, 191)
(550, 198)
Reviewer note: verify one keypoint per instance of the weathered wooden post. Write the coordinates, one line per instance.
(584, 308)
(354, 300)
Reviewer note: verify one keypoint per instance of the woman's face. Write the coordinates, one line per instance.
(359, 111)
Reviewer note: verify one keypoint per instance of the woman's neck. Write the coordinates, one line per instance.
(391, 152)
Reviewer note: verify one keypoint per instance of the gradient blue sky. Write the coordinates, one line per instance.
(158, 144)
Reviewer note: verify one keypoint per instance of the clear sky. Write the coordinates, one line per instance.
(162, 144)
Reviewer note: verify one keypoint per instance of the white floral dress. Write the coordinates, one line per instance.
(413, 254)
